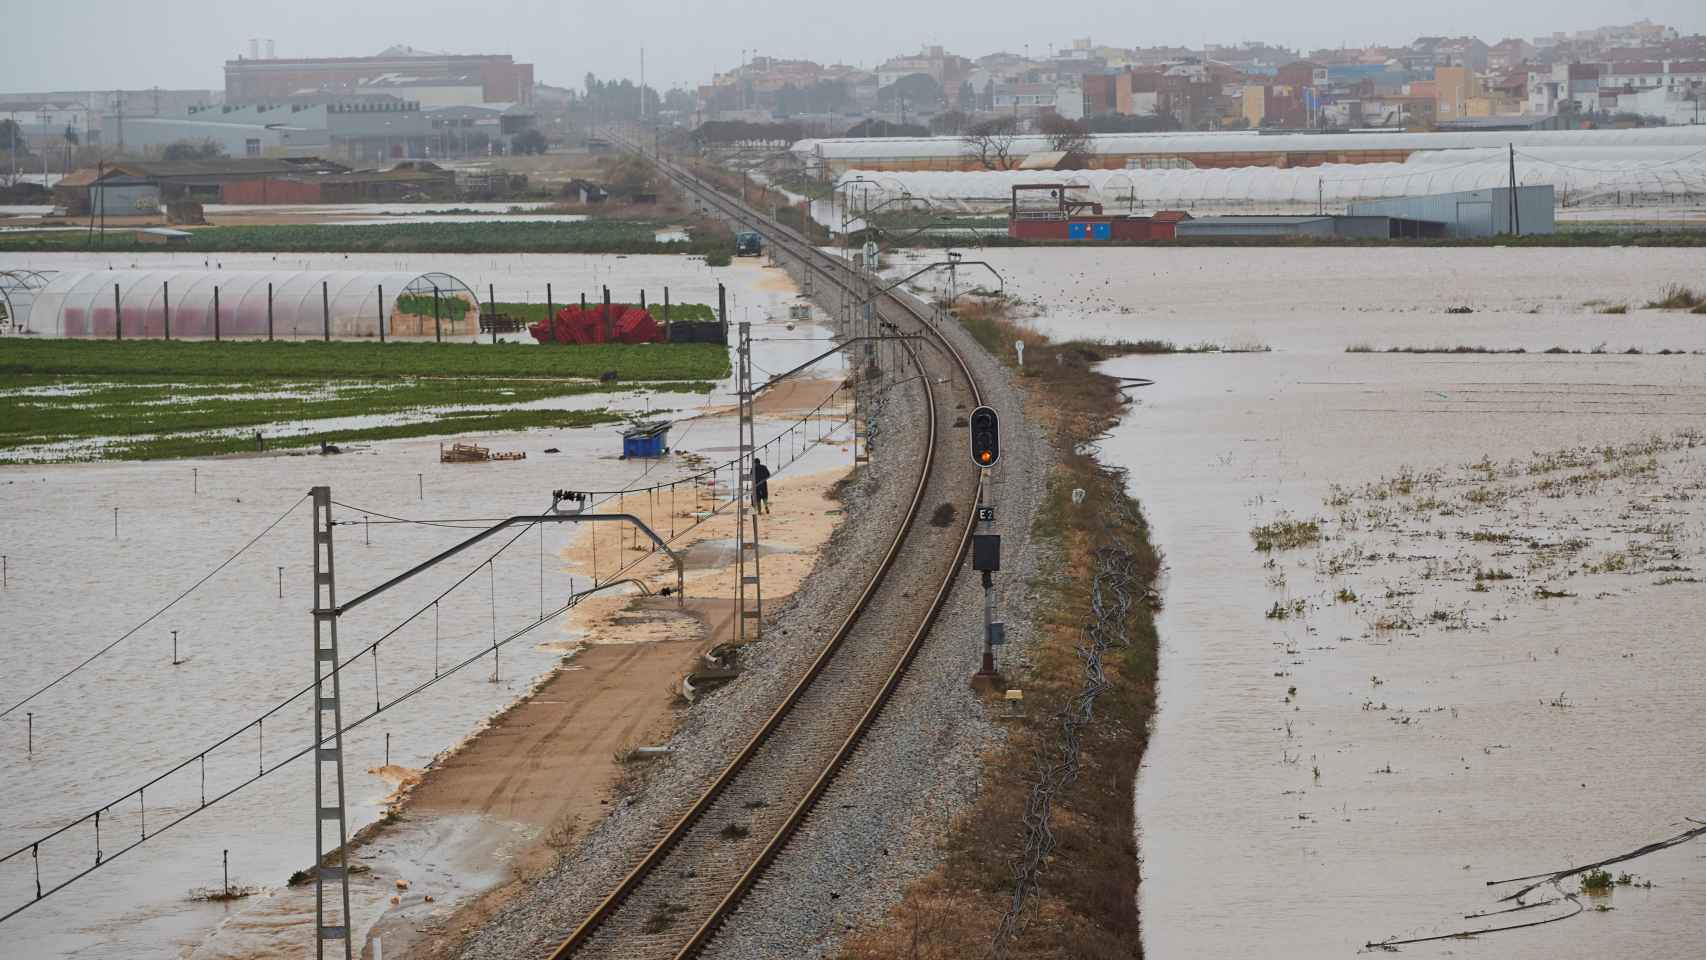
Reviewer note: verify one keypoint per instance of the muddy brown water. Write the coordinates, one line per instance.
(1522, 735)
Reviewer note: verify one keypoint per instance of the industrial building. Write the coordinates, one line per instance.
(361, 130)
(435, 79)
(1472, 213)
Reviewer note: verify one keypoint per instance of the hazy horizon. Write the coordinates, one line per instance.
(110, 44)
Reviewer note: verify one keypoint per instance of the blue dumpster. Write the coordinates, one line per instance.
(646, 440)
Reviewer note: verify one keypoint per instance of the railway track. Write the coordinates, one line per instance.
(677, 895)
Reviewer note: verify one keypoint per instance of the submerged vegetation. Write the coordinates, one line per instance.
(72, 418)
(1677, 297)
(139, 400)
(1286, 535)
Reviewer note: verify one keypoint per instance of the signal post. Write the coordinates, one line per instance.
(985, 436)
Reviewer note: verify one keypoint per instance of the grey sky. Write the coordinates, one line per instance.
(103, 44)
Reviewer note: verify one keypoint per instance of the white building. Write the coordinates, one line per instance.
(1029, 99)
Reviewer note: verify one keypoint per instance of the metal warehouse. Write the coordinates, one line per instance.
(1473, 213)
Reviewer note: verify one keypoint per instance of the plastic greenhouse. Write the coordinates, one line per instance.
(1578, 176)
(259, 303)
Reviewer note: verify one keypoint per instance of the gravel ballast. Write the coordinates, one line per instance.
(876, 829)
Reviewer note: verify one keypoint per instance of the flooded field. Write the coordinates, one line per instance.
(1467, 651)
(94, 549)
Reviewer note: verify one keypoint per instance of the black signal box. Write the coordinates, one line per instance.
(986, 552)
(985, 435)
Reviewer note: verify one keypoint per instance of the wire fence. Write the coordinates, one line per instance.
(1113, 596)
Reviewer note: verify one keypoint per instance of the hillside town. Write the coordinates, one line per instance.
(1637, 74)
(409, 103)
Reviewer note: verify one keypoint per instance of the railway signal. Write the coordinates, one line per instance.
(985, 437)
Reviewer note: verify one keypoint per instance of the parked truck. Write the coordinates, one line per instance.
(748, 244)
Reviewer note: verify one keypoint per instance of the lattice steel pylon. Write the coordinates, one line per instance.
(327, 699)
(744, 492)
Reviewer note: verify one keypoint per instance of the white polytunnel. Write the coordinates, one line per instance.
(18, 291)
(253, 303)
(1577, 179)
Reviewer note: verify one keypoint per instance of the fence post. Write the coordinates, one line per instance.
(269, 311)
(325, 311)
(166, 303)
(550, 308)
(382, 313)
(666, 331)
(437, 325)
(118, 321)
(492, 308)
(642, 299)
(609, 328)
(216, 313)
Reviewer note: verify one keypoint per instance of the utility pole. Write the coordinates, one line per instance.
(328, 807)
(744, 487)
(1516, 213)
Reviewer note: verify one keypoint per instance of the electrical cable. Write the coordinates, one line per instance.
(103, 858)
(259, 721)
(155, 615)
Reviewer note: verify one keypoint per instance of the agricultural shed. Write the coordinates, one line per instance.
(174, 180)
(297, 303)
(1472, 213)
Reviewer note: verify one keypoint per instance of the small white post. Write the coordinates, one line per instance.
(1019, 345)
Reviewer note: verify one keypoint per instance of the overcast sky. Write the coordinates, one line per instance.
(105, 44)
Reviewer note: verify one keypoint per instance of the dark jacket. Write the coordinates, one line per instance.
(760, 482)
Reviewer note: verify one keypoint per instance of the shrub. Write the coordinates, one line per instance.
(1676, 297)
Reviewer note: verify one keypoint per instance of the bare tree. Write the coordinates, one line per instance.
(1070, 137)
(990, 143)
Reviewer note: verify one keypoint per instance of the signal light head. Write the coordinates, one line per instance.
(985, 437)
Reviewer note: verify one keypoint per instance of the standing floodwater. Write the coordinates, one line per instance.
(1468, 651)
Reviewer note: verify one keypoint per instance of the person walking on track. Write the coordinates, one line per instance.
(760, 486)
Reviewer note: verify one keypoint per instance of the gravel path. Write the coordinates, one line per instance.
(875, 830)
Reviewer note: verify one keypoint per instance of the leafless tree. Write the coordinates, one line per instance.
(990, 143)
(1070, 137)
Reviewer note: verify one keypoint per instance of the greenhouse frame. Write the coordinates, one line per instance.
(257, 303)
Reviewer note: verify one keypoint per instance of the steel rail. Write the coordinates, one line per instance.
(836, 272)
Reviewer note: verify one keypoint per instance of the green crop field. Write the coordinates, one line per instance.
(450, 308)
(588, 236)
(346, 359)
